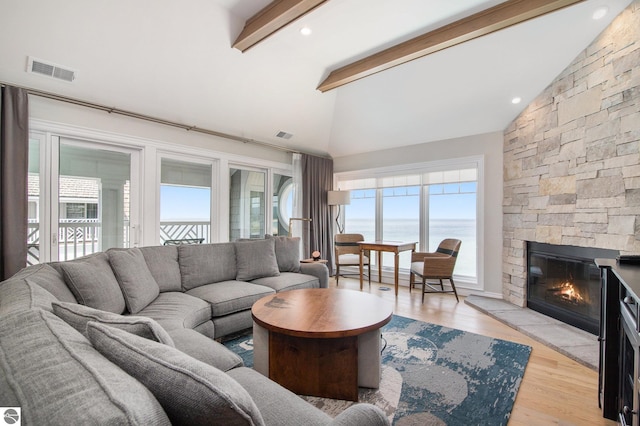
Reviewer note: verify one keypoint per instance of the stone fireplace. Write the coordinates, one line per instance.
(572, 157)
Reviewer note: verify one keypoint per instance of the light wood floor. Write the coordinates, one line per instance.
(555, 389)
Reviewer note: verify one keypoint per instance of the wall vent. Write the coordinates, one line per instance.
(38, 66)
(284, 135)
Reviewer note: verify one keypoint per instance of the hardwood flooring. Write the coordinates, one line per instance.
(555, 389)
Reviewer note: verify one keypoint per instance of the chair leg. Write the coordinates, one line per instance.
(424, 284)
(337, 273)
(411, 278)
(369, 273)
(453, 286)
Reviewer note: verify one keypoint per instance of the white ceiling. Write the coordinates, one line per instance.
(173, 60)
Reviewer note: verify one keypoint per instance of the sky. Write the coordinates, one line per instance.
(193, 204)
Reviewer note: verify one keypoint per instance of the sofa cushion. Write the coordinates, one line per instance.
(138, 286)
(206, 394)
(162, 262)
(255, 259)
(48, 278)
(206, 349)
(57, 377)
(271, 398)
(17, 295)
(92, 282)
(175, 311)
(206, 263)
(287, 253)
(77, 316)
(289, 281)
(228, 297)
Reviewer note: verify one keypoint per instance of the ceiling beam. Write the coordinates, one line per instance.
(485, 22)
(273, 17)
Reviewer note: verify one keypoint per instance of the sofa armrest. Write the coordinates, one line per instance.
(361, 414)
(318, 270)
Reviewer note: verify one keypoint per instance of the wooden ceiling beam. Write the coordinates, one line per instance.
(273, 17)
(504, 15)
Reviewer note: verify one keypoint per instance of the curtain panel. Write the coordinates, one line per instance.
(14, 159)
(317, 180)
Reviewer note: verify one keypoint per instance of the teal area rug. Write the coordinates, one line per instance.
(434, 375)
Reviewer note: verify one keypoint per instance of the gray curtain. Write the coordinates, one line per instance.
(14, 149)
(317, 179)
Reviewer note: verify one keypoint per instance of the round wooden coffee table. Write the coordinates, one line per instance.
(320, 342)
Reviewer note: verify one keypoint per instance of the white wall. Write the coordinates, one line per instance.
(64, 113)
(488, 145)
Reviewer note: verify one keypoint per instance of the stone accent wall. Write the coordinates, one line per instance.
(572, 158)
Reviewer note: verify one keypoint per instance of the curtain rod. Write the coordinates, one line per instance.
(113, 110)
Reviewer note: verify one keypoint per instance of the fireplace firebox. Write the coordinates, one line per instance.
(563, 282)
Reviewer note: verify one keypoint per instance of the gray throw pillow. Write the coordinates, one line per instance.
(190, 391)
(256, 259)
(138, 285)
(92, 282)
(77, 316)
(287, 253)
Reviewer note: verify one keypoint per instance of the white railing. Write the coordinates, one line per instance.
(184, 231)
(80, 237)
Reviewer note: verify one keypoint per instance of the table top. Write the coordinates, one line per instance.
(382, 245)
(321, 312)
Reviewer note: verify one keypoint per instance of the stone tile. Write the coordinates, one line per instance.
(572, 342)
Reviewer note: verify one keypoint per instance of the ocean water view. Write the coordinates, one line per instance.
(408, 230)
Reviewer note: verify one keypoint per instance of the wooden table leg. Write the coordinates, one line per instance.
(362, 267)
(380, 266)
(396, 262)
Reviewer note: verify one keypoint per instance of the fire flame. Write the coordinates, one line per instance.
(568, 292)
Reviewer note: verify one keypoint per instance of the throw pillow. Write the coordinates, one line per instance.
(287, 253)
(138, 285)
(190, 391)
(256, 259)
(92, 282)
(77, 316)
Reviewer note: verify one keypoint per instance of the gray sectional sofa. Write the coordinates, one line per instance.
(127, 337)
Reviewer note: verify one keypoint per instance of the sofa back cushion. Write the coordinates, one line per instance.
(17, 295)
(77, 316)
(287, 253)
(162, 262)
(206, 396)
(206, 263)
(54, 374)
(138, 286)
(92, 282)
(256, 259)
(49, 278)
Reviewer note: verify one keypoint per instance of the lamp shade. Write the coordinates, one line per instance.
(338, 198)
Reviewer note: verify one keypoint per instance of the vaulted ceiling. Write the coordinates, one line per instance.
(176, 61)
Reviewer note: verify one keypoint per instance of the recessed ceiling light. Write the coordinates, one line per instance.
(305, 31)
(600, 12)
(516, 100)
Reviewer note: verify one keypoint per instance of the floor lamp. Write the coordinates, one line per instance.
(339, 198)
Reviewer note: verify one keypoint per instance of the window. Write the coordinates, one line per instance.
(425, 204)
(247, 209)
(185, 200)
(282, 204)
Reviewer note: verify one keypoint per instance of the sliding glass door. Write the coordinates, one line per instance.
(247, 203)
(83, 198)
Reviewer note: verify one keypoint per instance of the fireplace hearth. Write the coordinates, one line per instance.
(563, 282)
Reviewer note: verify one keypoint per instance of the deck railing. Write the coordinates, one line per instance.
(80, 237)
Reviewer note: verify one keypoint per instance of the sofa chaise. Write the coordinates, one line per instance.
(128, 336)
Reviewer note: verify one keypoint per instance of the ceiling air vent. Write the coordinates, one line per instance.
(49, 69)
(284, 135)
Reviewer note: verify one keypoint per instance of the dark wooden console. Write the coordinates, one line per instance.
(619, 372)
